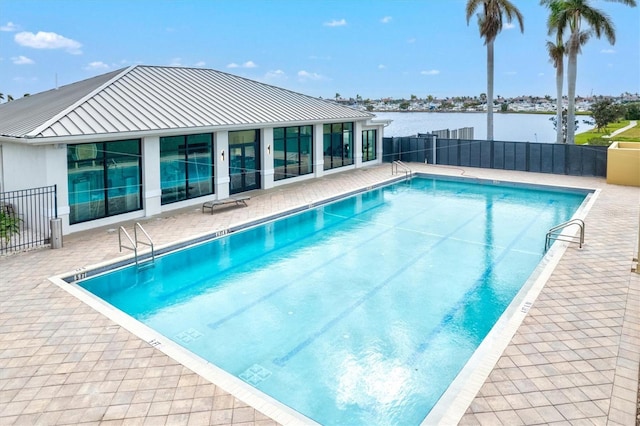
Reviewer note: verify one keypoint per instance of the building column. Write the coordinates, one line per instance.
(152, 189)
(318, 150)
(380, 143)
(266, 158)
(221, 164)
(357, 144)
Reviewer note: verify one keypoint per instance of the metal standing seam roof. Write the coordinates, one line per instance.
(150, 98)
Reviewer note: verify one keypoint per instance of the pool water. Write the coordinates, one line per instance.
(362, 311)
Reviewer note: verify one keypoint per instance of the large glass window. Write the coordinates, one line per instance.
(338, 145)
(292, 151)
(104, 179)
(369, 138)
(186, 167)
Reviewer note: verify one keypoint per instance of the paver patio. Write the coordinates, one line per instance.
(574, 359)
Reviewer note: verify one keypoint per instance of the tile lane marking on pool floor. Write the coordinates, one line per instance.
(422, 347)
(256, 302)
(281, 361)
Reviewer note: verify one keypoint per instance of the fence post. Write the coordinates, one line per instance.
(435, 150)
(56, 233)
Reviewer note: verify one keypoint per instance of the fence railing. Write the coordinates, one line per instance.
(575, 160)
(26, 216)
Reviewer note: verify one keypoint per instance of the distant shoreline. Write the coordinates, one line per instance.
(476, 112)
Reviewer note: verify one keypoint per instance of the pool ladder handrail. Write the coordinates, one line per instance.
(555, 233)
(399, 164)
(135, 241)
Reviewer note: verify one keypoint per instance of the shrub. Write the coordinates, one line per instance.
(599, 142)
(9, 225)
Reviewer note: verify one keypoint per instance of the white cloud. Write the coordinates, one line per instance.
(46, 40)
(10, 27)
(275, 75)
(22, 60)
(608, 51)
(381, 66)
(430, 72)
(386, 19)
(200, 64)
(305, 75)
(510, 73)
(540, 74)
(96, 65)
(336, 23)
(248, 64)
(176, 62)
(509, 25)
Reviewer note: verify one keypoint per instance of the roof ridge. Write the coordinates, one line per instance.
(35, 132)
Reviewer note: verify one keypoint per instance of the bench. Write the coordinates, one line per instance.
(240, 200)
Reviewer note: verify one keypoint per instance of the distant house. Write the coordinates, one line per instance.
(143, 140)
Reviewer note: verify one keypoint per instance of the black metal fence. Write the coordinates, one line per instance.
(575, 160)
(25, 218)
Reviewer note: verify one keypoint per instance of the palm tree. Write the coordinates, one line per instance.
(556, 56)
(570, 14)
(490, 24)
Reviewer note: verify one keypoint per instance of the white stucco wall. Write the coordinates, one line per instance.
(24, 166)
(27, 166)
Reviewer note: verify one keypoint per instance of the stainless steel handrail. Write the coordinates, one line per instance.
(397, 163)
(148, 243)
(555, 233)
(135, 241)
(134, 246)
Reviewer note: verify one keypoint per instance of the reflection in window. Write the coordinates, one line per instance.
(186, 167)
(104, 179)
(292, 151)
(368, 145)
(337, 145)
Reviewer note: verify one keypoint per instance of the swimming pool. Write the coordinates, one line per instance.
(387, 294)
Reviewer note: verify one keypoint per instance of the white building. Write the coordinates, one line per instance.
(143, 140)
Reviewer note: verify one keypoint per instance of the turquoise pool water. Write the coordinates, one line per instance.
(361, 311)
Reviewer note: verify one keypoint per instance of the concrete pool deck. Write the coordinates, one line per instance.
(573, 360)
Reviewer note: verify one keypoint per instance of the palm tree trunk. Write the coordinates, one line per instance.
(572, 71)
(490, 90)
(559, 78)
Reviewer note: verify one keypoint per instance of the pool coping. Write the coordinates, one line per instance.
(451, 406)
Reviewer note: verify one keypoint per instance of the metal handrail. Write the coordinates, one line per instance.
(134, 246)
(397, 163)
(148, 243)
(134, 241)
(555, 233)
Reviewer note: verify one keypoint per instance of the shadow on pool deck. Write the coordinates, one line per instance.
(574, 359)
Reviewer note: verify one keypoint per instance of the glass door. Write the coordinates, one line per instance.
(243, 161)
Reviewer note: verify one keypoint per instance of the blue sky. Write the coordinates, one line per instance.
(371, 48)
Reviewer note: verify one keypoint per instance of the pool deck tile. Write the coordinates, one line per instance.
(573, 360)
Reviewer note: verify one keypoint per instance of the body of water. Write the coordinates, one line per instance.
(506, 127)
